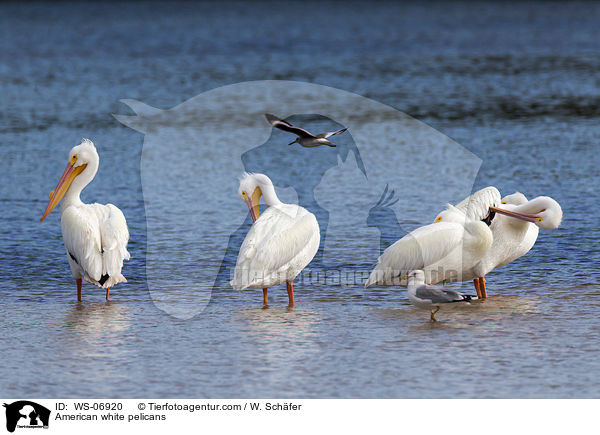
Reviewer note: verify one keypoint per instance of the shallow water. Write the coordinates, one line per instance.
(516, 86)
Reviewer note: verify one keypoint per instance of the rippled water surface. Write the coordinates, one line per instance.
(517, 86)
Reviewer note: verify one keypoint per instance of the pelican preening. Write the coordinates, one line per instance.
(305, 138)
(428, 296)
(515, 228)
(468, 241)
(282, 240)
(95, 235)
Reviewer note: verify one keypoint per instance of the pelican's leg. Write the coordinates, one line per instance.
(266, 296)
(482, 287)
(78, 290)
(476, 284)
(107, 290)
(290, 290)
(433, 319)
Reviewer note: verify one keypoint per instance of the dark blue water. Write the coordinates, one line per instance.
(516, 85)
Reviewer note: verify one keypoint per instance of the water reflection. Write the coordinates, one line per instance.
(95, 329)
(282, 337)
(482, 314)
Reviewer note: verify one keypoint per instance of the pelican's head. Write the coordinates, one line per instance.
(250, 191)
(516, 198)
(80, 157)
(542, 211)
(84, 153)
(451, 214)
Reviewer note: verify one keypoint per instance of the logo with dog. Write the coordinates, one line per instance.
(25, 414)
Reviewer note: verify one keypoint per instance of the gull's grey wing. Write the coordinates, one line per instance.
(331, 133)
(439, 296)
(286, 126)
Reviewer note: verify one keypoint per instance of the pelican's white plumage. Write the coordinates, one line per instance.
(514, 236)
(525, 239)
(95, 235)
(281, 242)
(442, 250)
(477, 206)
(514, 225)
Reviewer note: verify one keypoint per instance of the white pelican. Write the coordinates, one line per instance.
(456, 241)
(281, 242)
(428, 296)
(305, 138)
(477, 206)
(95, 235)
(515, 228)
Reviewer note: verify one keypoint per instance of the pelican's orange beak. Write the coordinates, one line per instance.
(514, 214)
(63, 185)
(253, 203)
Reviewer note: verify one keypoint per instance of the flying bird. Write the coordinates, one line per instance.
(305, 138)
(429, 296)
(95, 235)
(280, 243)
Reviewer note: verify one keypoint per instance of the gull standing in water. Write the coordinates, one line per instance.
(95, 235)
(429, 296)
(305, 138)
(281, 242)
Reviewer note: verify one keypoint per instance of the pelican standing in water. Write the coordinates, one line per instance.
(515, 228)
(95, 235)
(282, 240)
(456, 241)
(428, 296)
(514, 224)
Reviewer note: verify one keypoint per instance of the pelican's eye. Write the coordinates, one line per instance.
(540, 219)
(244, 193)
(437, 219)
(73, 159)
(503, 202)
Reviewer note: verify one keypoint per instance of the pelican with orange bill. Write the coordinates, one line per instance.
(95, 235)
(280, 244)
(515, 224)
(542, 211)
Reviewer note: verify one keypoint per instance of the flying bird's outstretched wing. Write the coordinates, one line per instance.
(286, 126)
(331, 133)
